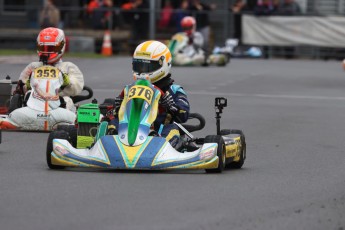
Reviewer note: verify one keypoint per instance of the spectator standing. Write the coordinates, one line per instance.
(140, 19)
(201, 12)
(166, 16)
(179, 14)
(251, 4)
(107, 19)
(137, 13)
(237, 9)
(91, 8)
(289, 8)
(65, 13)
(101, 14)
(266, 7)
(92, 5)
(50, 15)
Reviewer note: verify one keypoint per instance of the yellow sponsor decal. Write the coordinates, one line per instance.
(46, 72)
(143, 54)
(142, 92)
(172, 133)
(158, 77)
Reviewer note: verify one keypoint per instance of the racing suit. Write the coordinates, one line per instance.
(163, 124)
(191, 53)
(75, 77)
(43, 111)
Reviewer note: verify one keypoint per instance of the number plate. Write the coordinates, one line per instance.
(142, 92)
(46, 72)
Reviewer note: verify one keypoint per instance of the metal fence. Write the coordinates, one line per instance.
(222, 24)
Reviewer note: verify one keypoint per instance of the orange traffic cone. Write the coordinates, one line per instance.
(107, 49)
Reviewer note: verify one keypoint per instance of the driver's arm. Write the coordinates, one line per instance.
(25, 74)
(182, 104)
(176, 102)
(76, 79)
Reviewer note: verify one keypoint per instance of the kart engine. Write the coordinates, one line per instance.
(88, 117)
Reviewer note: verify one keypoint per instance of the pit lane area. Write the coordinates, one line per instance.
(292, 113)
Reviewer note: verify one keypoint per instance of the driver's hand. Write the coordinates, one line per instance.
(27, 84)
(168, 102)
(66, 80)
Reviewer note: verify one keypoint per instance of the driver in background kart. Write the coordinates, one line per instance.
(51, 44)
(152, 60)
(195, 44)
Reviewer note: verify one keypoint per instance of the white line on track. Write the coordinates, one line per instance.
(245, 95)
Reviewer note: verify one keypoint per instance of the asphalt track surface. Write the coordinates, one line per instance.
(292, 113)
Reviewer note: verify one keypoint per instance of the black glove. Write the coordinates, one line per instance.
(168, 102)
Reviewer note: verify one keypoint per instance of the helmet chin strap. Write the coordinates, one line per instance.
(44, 58)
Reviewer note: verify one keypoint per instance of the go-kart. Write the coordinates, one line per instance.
(42, 109)
(136, 146)
(184, 54)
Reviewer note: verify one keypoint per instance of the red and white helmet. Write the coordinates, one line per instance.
(51, 42)
(151, 61)
(188, 25)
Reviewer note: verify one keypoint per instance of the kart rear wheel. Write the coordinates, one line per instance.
(15, 102)
(231, 131)
(220, 152)
(72, 131)
(56, 134)
(238, 164)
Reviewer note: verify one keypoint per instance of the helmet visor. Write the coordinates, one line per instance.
(145, 66)
(50, 48)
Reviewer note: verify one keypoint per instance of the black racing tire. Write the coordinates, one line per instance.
(72, 131)
(15, 102)
(231, 131)
(56, 134)
(243, 156)
(224, 132)
(220, 152)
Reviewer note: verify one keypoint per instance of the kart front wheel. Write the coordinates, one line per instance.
(72, 131)
(220, 152)
(56, 134)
